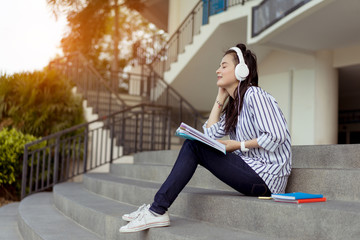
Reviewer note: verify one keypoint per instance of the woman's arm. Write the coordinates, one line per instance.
(215, 113)
(232, 145)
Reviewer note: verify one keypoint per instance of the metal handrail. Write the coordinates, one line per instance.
(79, 149)
(96, 87)
(75, 151)
(89, 82)
(157, 91)
(185, 33)
(274, 12)
(349, 116)
(164, 94)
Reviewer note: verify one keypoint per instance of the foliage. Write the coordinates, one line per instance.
(93, 31)
(38, 103)
(12, 144)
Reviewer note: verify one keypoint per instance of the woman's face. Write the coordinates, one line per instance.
(226, 73)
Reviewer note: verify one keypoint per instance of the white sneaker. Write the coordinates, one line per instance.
(146, 219)
(131, 216)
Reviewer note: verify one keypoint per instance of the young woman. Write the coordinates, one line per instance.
(258, 161)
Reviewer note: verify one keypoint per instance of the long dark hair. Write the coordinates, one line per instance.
(231, 109)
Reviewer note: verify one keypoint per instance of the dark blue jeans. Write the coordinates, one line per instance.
(229, 168)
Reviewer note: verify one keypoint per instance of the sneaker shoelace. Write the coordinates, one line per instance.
(141, 215)
(140, 209)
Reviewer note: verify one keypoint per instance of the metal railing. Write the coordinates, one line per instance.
(190, 27)
(268, 12)
(154, 89)
(99, 92)
(349, 116)
(102, 89)
(182, 110)
(72, 152)
(77, 150)
(120, 131)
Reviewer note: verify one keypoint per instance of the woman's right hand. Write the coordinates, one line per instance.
(217, 108)
(222, 95)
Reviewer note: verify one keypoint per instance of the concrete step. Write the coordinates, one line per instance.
(8, 222)
(104, 217)
(158, 173)
(39, 220)
(166, 157)
(319, 156)
(335, 184)
(329, 220)
(327, 156)
(130, 100)
(316, 169)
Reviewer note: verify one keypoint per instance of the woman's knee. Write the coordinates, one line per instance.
(190, 149)
(190, 144)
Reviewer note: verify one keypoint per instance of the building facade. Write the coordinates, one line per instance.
(308, 57)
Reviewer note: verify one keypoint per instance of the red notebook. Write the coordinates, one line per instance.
(308, 200)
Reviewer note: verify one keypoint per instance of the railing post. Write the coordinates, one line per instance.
(98, 97)
(167, 96)
(169, 127)
(181, 110)
(86, 143)
(122, 139)
(24, 173)
(142, 116)
(56, 163)
(193, 27)
(177, 45)
(164, 124)
(152, 138)
(110, 103)
(164, 64)
(112, 136)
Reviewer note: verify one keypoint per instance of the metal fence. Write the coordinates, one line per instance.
(122, 129)
(100, 93)
(190, 27)
(77, 150)
(182, 110)
(269, 12)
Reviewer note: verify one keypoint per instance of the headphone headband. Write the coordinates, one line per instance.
(241, 70)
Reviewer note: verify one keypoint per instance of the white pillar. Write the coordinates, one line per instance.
(326, 99)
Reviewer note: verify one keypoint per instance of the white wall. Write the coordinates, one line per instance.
(178, 10)
(326, 99)
(346, 56)
(290, 78)
(305, 84)
(306, 87)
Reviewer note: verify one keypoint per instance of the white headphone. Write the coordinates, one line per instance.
(241, 70)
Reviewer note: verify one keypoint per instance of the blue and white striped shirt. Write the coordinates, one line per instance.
(261, 118)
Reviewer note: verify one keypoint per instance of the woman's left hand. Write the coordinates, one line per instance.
(231, 145)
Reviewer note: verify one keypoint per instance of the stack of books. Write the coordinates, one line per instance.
(298, 197)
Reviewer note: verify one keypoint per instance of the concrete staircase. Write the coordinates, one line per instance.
(206, 209)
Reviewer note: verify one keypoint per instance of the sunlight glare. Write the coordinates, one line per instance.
(30, 35)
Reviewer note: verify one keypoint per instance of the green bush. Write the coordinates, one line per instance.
(36, 104)
(39, 103)
(12, 144)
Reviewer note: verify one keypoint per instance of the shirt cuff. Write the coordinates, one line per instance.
(266, 142)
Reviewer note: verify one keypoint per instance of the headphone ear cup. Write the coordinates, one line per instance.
(241, 71)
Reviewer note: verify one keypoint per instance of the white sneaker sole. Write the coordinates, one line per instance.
(144, 227)
(128, 219)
